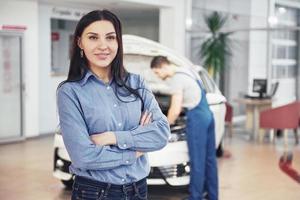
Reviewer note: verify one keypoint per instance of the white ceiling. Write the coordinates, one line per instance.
(100, 4)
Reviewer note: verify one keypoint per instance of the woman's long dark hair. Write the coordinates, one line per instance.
(79, 65)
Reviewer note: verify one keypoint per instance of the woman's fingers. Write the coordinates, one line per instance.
(96, 139)
(148, 118)
(139, 154)
(144, 115)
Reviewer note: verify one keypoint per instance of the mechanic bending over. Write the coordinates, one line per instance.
(188, 93)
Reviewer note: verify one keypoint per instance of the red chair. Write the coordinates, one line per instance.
(285, 164)
(283, 117)
(228, 118)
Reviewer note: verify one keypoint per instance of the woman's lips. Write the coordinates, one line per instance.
(102, 56)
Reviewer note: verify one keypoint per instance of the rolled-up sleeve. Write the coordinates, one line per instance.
(83, 152)
(151, 137)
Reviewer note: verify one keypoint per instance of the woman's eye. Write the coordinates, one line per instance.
(93, 38)
(111, 37)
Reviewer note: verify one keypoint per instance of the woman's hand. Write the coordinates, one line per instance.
(146, 118)
(105, 138)
(139, 154)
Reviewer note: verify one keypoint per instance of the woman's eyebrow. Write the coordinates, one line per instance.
(110, 33)
(92, 33)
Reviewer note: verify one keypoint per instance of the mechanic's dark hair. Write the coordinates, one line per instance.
(157, 61)
(79, 64)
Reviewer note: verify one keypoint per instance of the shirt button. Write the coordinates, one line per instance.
(107, 87)
(127, 161)
(119, 124)
(123, 179)
(115, 105)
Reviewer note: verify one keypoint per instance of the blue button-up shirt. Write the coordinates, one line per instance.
(90, 106)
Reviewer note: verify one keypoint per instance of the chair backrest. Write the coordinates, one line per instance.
(286, 116)
(273, 89)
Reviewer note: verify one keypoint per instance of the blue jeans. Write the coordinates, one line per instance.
(87, 189)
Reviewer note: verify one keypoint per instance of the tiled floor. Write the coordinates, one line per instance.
(251, 173)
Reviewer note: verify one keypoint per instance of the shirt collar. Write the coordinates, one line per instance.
(89, 74)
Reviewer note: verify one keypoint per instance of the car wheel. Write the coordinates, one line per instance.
(68, 184)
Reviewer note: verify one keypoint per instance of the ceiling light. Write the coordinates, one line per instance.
(188, 23)
(273, 20)
(282, 10)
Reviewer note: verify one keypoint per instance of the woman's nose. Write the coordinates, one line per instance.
(102, 44)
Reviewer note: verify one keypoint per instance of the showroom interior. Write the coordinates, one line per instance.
(255, 94)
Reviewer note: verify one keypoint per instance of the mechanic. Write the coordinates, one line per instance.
(188, 94)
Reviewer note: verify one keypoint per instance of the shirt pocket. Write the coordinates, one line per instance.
(97, 118)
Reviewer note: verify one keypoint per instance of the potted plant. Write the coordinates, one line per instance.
(215, 49)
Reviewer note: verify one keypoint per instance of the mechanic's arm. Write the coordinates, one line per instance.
(175, 107)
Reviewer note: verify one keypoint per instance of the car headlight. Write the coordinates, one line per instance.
(175, 137)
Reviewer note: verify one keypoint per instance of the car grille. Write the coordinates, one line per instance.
(170, 171)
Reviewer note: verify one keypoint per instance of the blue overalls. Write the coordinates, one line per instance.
(202, 151)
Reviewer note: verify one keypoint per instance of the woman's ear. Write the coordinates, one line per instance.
(79, 42)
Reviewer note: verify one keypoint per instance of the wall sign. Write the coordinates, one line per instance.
(67, 13)
(14, 27)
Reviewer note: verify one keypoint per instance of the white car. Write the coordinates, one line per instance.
(169, 165)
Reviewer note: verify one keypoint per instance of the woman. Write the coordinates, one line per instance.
(108, 117)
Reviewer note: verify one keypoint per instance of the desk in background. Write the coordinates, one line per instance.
(253, 107)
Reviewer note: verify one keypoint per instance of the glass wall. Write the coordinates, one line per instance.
(285, 44)
(285, 51)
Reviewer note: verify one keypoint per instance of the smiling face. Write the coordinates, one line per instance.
(99, 44)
